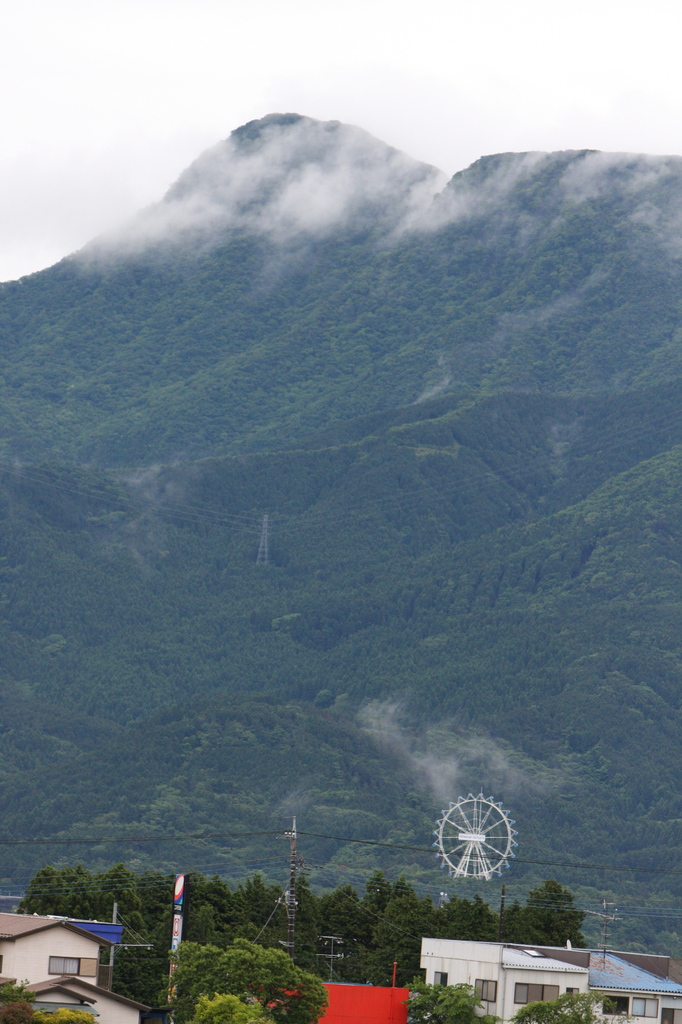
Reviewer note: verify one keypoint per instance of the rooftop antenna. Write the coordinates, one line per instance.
(607, 918)
(262, 557)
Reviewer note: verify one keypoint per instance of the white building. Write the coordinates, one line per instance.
(60, 961)
(509, 976)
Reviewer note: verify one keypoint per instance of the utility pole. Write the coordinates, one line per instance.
(291, 894)
(112, 951)
(500, 928)
(262, 556)
(331, 956)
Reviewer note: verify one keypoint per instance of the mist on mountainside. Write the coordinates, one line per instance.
(302, 274)
(281, 177)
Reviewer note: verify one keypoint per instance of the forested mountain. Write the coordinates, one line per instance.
(460, 407)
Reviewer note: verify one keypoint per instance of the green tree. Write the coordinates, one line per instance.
(249, 972)
(13, 993)
(549, 918)
(226, 1009)
(578, 1008)
(344, 915)
(445, 1004)
(65, 1015)
(466, 919)
(398, 933)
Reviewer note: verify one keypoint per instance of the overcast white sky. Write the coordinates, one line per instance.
(105, 101)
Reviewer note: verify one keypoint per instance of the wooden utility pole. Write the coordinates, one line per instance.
(500, 927)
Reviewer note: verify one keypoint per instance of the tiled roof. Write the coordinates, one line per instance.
(518, 958)
(13, 926)
(77, 985)
(610, 972)
(41, 987)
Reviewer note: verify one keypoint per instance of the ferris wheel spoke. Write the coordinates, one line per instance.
(498, 856)
(503, 843)
(482, 851)
(493, 842)
(466, 824)
(487, 815)
(494, 824)
(484, 862)
(456, 849)
(466, 859)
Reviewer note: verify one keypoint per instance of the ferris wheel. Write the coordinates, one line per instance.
(475, 838)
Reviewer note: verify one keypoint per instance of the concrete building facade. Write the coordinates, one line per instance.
(507, 977)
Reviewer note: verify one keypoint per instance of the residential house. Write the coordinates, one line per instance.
(60, 962)
(508, 976)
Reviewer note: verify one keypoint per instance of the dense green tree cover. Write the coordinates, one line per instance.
(466, 560)
(548, 917)
(541, 274)
(384, 924)
(284, 991)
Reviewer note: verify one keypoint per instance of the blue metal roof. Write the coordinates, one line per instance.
(102, 929)
(610, 972)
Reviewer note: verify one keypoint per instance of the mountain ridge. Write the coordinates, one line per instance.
(466, 435)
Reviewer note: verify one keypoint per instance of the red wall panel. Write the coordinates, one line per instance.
(365, 1004)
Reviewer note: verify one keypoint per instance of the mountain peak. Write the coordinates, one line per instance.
(252, 131)
(287, 175)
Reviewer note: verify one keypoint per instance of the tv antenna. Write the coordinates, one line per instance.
(475, 838)
(606, 918)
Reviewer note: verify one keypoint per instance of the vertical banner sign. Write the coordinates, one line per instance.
(180, 906)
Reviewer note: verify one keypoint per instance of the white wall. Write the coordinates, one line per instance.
(110, 1010)
(466, 962)
(528, 976)
(27, 958)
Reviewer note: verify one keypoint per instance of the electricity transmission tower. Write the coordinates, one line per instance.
(262, 557)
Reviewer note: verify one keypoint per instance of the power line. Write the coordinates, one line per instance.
(180, 837)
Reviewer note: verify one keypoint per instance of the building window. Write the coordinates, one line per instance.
(572, 991)
(64, 965)
(644, 1007)
(617, 1004)
(440, 978)
(535, 993)
(486, 990)
(670, 1016)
